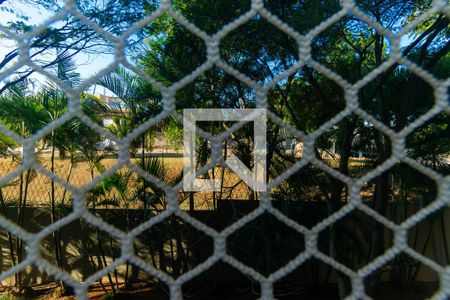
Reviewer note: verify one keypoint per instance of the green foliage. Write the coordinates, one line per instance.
(430, 143)
(173, 132)
(305, 99)
(123, 188)
(6, 143)
(21, 110)
(174, 51)
(10, 297)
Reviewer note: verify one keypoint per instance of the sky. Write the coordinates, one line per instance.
(88, 65)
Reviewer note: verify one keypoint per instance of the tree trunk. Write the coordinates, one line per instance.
(10, 236)
(334, 204)
(53, 204)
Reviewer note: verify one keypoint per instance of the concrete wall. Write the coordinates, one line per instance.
(81, 251)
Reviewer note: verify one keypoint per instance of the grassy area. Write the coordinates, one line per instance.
(81, 172)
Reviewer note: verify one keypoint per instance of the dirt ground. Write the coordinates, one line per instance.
(386, 291)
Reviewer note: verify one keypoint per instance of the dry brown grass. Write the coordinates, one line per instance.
(81, 172)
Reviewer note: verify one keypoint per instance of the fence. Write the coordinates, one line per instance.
(160, 187)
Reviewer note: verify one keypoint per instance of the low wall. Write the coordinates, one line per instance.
(81, 250)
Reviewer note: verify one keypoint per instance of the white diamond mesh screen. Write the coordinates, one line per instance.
(212, 42)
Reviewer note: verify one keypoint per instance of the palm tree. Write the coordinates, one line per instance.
(139, 101)
(55, 103)
(21, 113)
(25, 113)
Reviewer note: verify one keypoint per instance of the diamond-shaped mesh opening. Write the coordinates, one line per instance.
(268, 51)
(10, 154)
(34, 201)
(429, 144)
(399, 192)
(158, 151)
(355, 240)
(76, 153)
(173, 246)
(265, 244)
(80, 249)
(402, 276)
